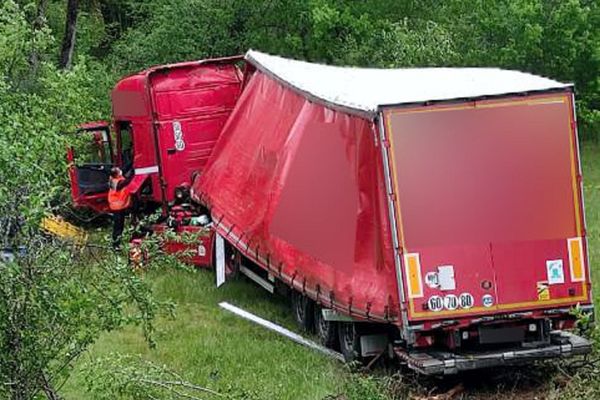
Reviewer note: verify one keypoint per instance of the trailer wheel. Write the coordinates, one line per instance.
(303, 309)
(349, 341)
(326, 330)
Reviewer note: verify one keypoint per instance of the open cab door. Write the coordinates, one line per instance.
(90, 159)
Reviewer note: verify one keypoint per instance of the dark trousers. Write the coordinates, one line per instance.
(118, 227)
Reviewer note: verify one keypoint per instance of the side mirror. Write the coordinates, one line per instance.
(70, 154)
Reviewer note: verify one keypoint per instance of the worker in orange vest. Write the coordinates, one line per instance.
(119, 202)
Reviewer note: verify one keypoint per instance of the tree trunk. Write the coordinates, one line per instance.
(48, 389)
(68, 43)
(38, 24)
(40, 17)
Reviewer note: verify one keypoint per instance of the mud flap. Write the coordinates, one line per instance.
(220, 259)
(562, 344)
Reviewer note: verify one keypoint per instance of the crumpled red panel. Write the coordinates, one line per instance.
(299, 188)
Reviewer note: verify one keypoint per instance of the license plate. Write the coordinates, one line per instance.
(494, 335)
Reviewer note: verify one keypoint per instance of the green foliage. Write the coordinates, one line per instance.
(18, 41)
(128, 377)
(558, 39)
(215, 349)
(365, 387)
(56, 298)
(342, 37)
(176, 31)
(37, 107)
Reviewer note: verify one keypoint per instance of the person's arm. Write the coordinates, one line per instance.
(124, 182)
(129, 174)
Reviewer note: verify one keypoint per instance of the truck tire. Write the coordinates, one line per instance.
(303, 310)
(326, 330)
(349, 339)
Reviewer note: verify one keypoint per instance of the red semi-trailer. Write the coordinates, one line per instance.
(434, 213)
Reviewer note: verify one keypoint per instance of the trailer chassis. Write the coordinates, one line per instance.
(439, 362)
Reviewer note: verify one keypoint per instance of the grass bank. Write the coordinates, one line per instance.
(218, 350)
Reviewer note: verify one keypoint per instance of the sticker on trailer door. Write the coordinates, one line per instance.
(446, 277)
(543, 291)
(178, 136)
(465, 300)
(556, 272)
(487, 300)
(450, 302)
(435, 303)
(431, 279)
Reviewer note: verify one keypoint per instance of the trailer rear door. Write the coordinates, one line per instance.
(488, 206)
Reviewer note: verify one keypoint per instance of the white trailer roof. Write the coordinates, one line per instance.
(365, 90)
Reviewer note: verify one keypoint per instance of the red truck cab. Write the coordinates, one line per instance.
(165, 123)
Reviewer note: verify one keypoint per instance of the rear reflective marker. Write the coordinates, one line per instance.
(576, 259)
(412, 265)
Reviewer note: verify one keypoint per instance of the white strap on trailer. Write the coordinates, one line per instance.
(281, 330)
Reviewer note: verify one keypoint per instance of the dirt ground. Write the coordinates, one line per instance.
(533, 382)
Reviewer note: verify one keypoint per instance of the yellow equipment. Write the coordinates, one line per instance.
(57, 226)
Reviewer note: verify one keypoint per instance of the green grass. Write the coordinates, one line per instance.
(213, 348)
(216, 349)
(591, 186)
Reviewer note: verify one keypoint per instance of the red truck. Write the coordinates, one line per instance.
(166, 121)
(434, 214)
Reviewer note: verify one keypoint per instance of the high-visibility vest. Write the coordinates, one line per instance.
(118, 199)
